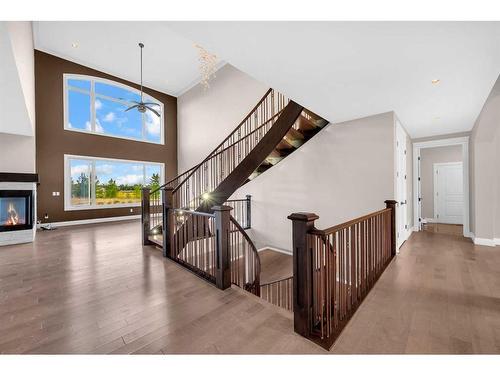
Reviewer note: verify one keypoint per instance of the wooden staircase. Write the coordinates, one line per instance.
(188, 216)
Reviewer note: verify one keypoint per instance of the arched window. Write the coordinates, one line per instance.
(97, 106)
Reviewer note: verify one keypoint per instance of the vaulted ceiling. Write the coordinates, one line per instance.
(347, 70)
(341, 70)
(170, 60)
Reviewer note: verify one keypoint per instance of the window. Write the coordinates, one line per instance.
(97, 106)
(107, 183)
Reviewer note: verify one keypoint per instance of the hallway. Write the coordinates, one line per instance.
(78, 290)
(440, 295)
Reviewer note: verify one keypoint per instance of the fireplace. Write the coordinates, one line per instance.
(16, 210)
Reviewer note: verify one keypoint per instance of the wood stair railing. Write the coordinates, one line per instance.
(179, 216)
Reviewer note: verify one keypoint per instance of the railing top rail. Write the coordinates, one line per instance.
(237, 200)
(229, 136)
(191, 212)
(347, 224)
(276, 281)
(245, 235)
(173, 179)
(243, 138)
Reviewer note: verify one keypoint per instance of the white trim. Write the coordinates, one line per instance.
(414, 229)
(92, 94)
(89, 221)
(417, 206)
(275, 249)
(67, 186)
(484, 241)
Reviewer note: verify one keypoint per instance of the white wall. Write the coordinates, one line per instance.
(485, 176)
(345, 171)
(17, 98)
(206, 117)
(428, 157)
(17, 153)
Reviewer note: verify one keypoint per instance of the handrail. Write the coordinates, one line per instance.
(254, 286)
(335, 269)
(347, 224)
(245, 137)
(229, 136)
(276, 281)
(245, 235)
(172, 180)
(279, 292)
(191, 212)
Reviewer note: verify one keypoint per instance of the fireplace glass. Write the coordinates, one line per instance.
(15, 210)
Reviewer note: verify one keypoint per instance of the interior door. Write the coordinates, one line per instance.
(448, 193)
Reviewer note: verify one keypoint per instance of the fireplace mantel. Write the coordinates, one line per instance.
(18, 177)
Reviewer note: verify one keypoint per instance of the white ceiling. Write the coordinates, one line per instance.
(170, 60)
(14, 109)
(347, 70)
(341, 70)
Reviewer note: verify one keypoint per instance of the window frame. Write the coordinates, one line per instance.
(93, 96)
(92, 159)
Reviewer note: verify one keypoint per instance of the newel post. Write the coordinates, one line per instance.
(145, 215)
(302, 223)
(249, 211)
(392, 205)
(168, 220)
(222, 256)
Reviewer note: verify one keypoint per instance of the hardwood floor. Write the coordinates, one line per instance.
(275, 266)
(95, 289)
(455, 229)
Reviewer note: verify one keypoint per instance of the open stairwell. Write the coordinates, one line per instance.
(189, 215)
(196, 224)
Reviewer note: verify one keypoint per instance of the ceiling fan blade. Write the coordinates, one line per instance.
(134, 106)
(129, 100)
(154, 111)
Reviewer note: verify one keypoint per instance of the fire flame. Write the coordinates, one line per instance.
(13, 217)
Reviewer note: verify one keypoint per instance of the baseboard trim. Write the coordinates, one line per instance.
(89, 221)
(485, 241)
(275, 249)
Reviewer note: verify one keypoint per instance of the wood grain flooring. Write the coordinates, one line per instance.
(95, 289)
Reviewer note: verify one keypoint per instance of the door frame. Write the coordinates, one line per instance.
(417, 204)
(403, 228)
(434, 183)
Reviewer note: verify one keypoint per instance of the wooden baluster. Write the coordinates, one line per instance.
(145, 215)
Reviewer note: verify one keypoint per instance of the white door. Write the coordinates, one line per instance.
(448, 193)
(401, 214)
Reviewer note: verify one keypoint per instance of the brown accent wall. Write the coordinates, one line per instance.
(52, 141)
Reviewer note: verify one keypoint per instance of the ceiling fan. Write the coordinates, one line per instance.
(143, 106)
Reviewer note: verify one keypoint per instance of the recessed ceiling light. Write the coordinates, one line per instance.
(74, 44)
(435, 81)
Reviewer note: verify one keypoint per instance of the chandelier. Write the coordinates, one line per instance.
(208, 64)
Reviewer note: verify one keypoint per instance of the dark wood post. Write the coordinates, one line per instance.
(145, 215)
(222, 255)
(392, 205)
(302, 222)
(249, 211)
(168, 220)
